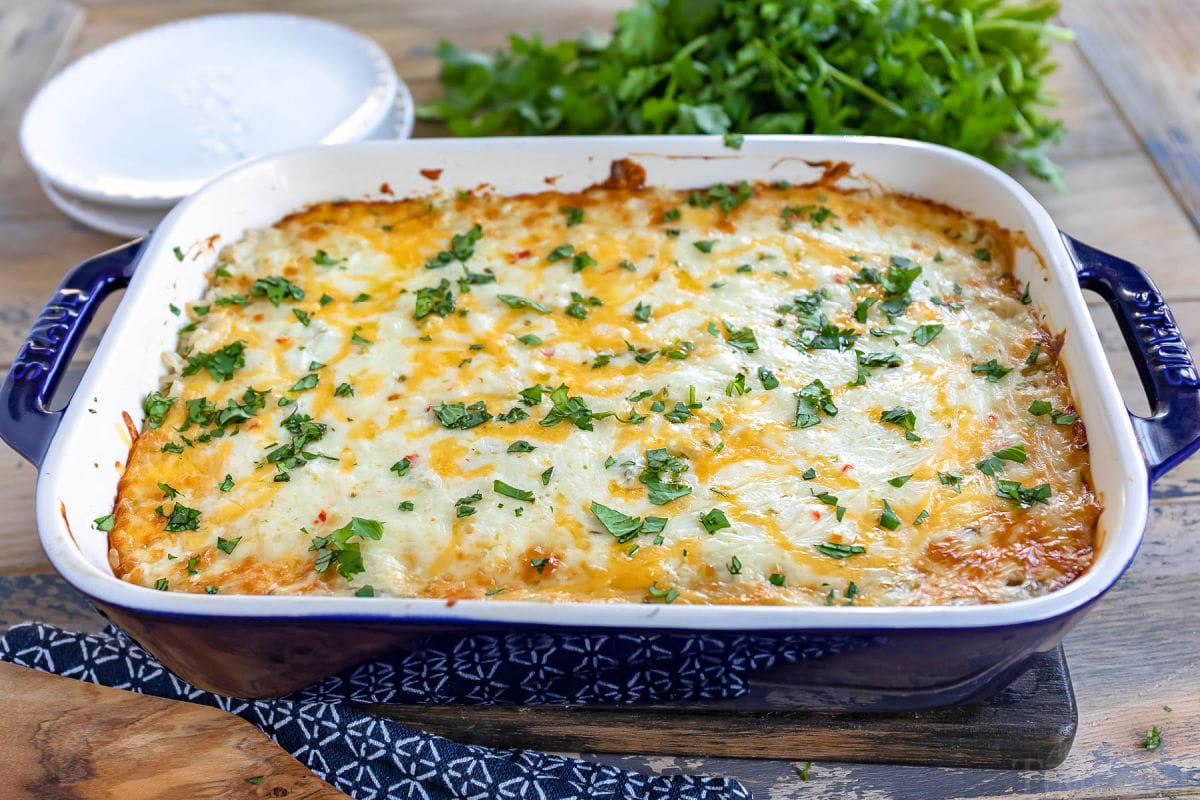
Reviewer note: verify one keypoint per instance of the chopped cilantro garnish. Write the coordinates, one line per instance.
(178, 251)
(227, 545)
(161, 584)
(926, 334)
(105, 523)
(407, 505)
(990, 466)
(811, 400)
(778, 579)
(703, 245)
(156, 407)
(737, 388)
(401, 467)
(726, 196)
(900, 276)
(561, 253)
(500, 487)
(532, 395)
(570, 408)
(983, 254)
(465, 506)
(1016, 453)
(309, 381)
(574, 215)
(679, 414)
(839, 551)
(434, 300)
(322, 258)
(920, 520)
(666, 595)
(741, 338)
(276, 289)
(899, 480)
(992, 370)
(714, 520)
(582, 261)
(952, 479)
(530, 340)
(344, 390)
(642, 312)
(734, 566)
(220, 364)
(863, 307)
(904, 418)
(337, 549)
(888, 518)
(462, 247)
(625, 527)
(183, 518)
(1023, 498)
(521, 446)
(226, 484)
(1040, 407)
(546, 475)
(458, 416)
(302, 316)
(515, 302)
(660, 491)
(767, 378)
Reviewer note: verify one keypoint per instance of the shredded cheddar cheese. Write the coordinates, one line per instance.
(744, 394)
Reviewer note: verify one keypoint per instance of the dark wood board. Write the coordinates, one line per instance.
(1029, 725)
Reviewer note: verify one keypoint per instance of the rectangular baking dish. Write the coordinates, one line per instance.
(838, 657)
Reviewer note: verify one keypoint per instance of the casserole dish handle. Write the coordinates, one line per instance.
(27, 422)
(1172, 431)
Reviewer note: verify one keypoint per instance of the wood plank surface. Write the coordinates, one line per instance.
(1136, 655)
(69, 739)
(1146, 54)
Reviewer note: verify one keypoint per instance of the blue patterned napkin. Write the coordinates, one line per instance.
(370, 758)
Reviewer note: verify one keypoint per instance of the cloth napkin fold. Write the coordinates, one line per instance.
(371, 758)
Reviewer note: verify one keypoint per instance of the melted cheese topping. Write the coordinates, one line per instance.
(671, 332)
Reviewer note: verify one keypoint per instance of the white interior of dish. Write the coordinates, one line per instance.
(79, 477)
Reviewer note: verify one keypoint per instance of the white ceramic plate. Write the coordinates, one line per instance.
(128, 222)
(150, 118)
(131, 221)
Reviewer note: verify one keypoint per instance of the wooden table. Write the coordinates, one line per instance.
(1130, 95)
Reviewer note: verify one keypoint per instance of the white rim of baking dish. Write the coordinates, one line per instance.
(1121, 536)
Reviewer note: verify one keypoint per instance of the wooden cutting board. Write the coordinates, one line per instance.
(69, 740)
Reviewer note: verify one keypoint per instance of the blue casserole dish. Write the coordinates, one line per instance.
(861, 658)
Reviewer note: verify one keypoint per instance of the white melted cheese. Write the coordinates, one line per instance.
(743, 453)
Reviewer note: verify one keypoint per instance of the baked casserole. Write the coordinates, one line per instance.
(741, 394)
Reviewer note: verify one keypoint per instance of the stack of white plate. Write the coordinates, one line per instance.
(121, 135)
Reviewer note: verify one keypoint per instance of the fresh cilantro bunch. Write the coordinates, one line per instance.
(963, 73)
